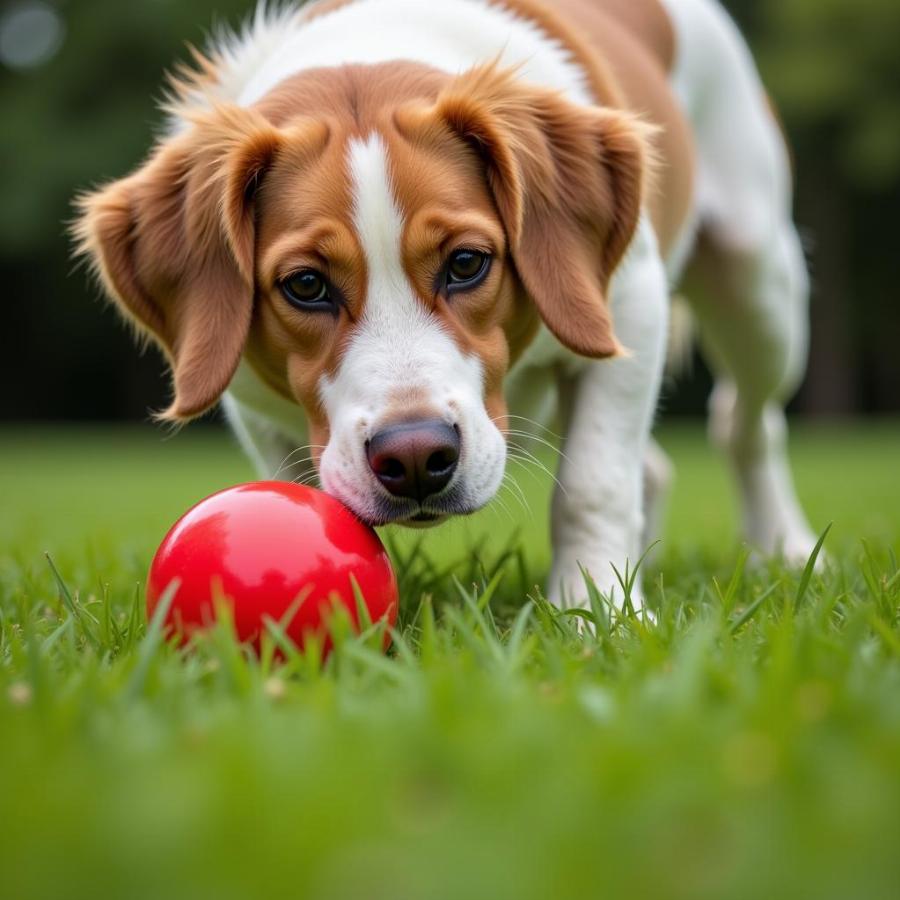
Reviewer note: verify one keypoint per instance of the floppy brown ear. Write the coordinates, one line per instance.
(174, 246)
(568, 183)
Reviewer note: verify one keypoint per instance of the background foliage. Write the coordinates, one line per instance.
(87, 114)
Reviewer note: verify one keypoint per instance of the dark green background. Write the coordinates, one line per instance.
(833, 67)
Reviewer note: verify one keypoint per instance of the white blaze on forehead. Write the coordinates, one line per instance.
(379, 224)
(396, 325)
(398, 342)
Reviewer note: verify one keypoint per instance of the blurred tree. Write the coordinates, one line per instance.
(837, 70)
(836, 65)
(85, 116)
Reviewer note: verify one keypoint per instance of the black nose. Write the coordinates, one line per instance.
(414, 459)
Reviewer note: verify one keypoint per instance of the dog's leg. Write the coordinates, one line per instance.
(658, 475)
(751, 301)
(598, 517)
(274, 453)
(752, 311)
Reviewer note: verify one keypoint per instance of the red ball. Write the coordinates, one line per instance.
(262, 545)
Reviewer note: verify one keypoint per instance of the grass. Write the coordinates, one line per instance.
(746, 745)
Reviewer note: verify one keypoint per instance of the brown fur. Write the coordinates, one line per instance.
(646, 20)
(638, 53)
(567, 185)
(173, 244)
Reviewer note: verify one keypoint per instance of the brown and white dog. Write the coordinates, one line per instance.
(377, 226)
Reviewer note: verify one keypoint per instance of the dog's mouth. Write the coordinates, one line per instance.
(417, 517)
(412, 514)
(423, 520)
(426, 517)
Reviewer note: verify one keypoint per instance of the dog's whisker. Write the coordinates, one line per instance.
(499, 502)
(301, 459)
(305, 473)
(529, 460)
(516, 489)
(533, 422)
(302, 449)
(518, 448)
(300, 462)
(534, 437)
(306, 448)
(286, 459)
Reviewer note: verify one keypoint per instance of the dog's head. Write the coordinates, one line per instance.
(380, 243)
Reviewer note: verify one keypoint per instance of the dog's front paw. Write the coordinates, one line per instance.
(797, 548)
(789, 539)
(570, 583)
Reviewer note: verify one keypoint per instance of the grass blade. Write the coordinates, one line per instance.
(727, 599)
(72, 606)
(750, 611)
(809, 569)
(152, 641)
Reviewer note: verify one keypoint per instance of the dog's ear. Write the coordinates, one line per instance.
(174, 246)
(568, 182)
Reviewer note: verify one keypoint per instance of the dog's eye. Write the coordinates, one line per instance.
(466, 269)
(307, 290)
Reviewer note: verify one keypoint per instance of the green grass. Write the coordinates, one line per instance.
(746, 745)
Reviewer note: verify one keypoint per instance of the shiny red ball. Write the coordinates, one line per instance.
(262, 546)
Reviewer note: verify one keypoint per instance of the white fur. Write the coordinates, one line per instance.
(451, 36)
(398, 346)
(278, 42)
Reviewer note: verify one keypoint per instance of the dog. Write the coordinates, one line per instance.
(379, 229)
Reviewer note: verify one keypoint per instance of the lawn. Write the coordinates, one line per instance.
(745, 745)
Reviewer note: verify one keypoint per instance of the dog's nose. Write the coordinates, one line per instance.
(414, 459)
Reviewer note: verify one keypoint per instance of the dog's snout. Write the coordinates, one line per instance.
(415, 459)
